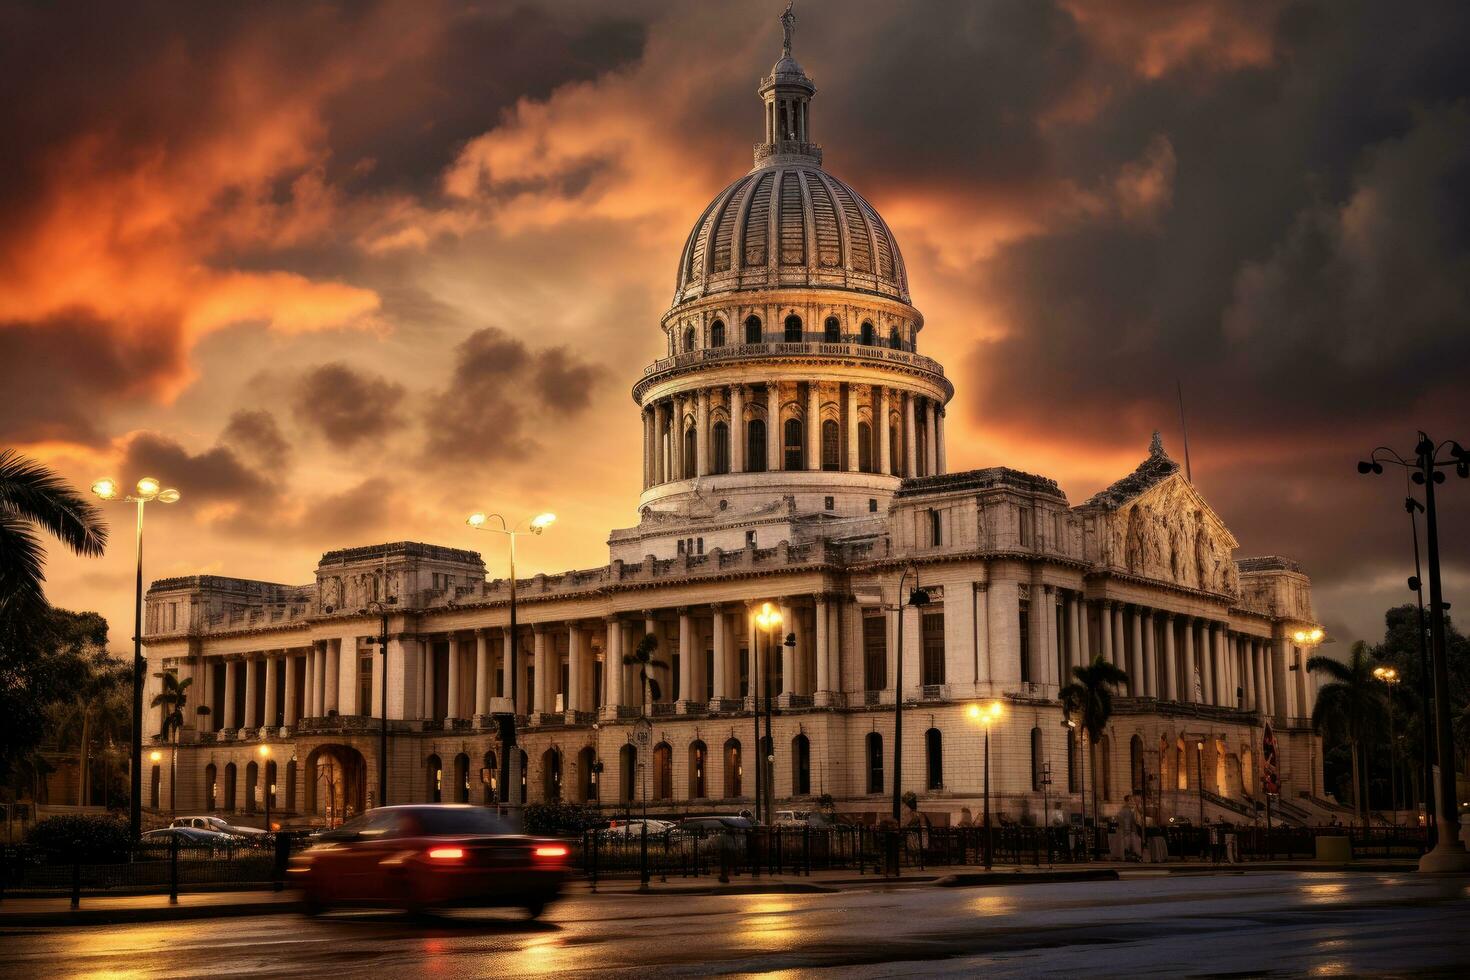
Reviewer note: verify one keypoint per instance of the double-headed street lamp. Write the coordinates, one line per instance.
(1427, 469)
(265, 779)
(1390, 677)
(535, 525)
(986, 717)
(769, 620)
(145, 491)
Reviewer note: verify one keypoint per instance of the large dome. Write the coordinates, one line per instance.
(790, 225)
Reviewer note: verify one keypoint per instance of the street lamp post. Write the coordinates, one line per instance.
(769, 620)
(265, 778)
(380, 606)
(986, 717)
(918, 597)
(1427, 469)
(536, 525)
(1390, 677)
(1310, 639)
(147, 489)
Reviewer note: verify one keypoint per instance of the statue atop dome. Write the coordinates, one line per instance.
(788, 27)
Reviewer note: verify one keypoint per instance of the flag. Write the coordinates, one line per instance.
(1270, 773)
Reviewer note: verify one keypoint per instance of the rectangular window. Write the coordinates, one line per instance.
(750, 539)
(933, 648)
(875, 652)
(1025, 617)
(829, 503)
(1024, 515)
(936, 529)
(364, 686)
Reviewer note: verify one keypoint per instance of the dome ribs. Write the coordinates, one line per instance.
(824, 213)
(792, 221)
(758, 223)
(859, 236)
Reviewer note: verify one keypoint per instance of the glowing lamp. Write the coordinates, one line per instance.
(106, 489)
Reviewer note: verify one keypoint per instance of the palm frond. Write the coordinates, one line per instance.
(32, 492)
(1331, 666)
(22, 566)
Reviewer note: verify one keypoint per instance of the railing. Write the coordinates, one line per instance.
(730, 352)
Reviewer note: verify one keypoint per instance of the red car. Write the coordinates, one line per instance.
(423, 857)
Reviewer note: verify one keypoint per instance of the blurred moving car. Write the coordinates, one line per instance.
(194, 837)
(430, 856)
(634, 828)
(216, 824)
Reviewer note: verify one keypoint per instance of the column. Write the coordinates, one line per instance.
(686, 657)
(252, 680)
(773, 425)
(319, 701)
(1150, 656)
(1187, 694)
(823, 653)
(701, 433)
(880, 430)
(649, 427)
(910, 437)
(1137, 682)
(576, 667)
(1073, 628)
(1084, 633)
(942, 466)
(1119, 625)
(813, 427)
(1171, 665)
(787, 654)
(931, 459)
(660, 447)
(1105, 629)
(541, 699)
(482, 672)
(1258, 670)
(612, 668)
(429, 657)
(852, 429)
(272, 709)
(334, 676)
(1206, 654)
(1218, 680)
(676, 439)
(452, 665)
(720, 636)
(288, 663)
(737, 428)
(230, 681)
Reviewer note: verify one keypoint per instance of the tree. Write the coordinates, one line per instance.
(1088, 703)
(43, 657)
(1349, 707)
(642, 657)
(93, 705)
(33, 497)
(172, 698)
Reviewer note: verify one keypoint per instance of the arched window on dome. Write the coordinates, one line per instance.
(691, 446)
(752, 329)
(793, 444)
(720, 451)
(689, 339)
(869, 336)
(831, 446)
(793, 329)
(832, 331)
(755, 446)
(894, 339)
(717, 334)
(865, 447)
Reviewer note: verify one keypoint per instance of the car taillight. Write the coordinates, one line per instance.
(550, 851)
(447, 853)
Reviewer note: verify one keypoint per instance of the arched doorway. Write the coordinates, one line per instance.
(698, 756)
(733, 769)
(252, 783)
(230, 784)
(211, 787)
(551, 774)
(490, 778)
(1135, 763)
(462, 778)
(801, 765)
(663, 771)
(628, 772)
(933, 759)
(336, 783)
(434, 779)
(587, 775)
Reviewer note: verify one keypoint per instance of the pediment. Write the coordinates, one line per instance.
(1170, 533)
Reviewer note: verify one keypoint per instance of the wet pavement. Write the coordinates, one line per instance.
(1283, 924)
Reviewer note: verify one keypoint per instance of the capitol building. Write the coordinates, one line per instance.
(793, 455)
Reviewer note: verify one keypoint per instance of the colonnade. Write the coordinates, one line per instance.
(1167, 655)
(276, 688)
(728, 429)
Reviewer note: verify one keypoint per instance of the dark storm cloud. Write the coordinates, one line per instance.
(347, 406)
(500, 389)
(256, 434)
(215, 476)
(356, 512)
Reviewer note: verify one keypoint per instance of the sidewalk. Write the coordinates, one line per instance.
(116, 909)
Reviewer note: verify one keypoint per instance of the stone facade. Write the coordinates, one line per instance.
(794, 454)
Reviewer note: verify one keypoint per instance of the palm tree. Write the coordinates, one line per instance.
(642, 657)
(1348, 706)
(1087, 702)
(173, 697)
(102, 677)
(32, 497)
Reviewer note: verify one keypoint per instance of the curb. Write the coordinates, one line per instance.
(173, 913)
(972, 879)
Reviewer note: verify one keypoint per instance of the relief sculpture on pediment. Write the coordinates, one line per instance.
(1170, 537)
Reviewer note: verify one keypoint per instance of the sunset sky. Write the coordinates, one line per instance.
(343, 273)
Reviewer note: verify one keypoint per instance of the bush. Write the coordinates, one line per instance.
(84, 836)
(560, 818)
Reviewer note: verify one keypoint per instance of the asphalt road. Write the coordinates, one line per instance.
(1281, 924)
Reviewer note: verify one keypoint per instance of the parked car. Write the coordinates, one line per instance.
(727, 832)
(430, 856)
(194, 837)
(216, 824)
(634, 828)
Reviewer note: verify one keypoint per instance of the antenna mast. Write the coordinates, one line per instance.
(1188, 472)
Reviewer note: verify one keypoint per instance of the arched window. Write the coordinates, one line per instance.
(755, 446)
(752, 329)
(1038, 762)
(793, 444)
(587, 774)
(269, 790)
(291, 785)
(793, 329)
(663, 771)
(934, 759)
(691, 446)
(717, 334)
(720, 454)
(801, 766)
(462, 778)
(155, 780)
(869, 336)
(1102, 767)
(434, 779)
(894, 340)
(211, 787)
(733, 769)
(689, 339)
(551, 774)
(490, 778)
(252, 786)
(230, 775)
(831, 446)
(832, 331)
(628, 772)
(875, 762)
(1135, 763)
(865, 447)
(698, 756)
